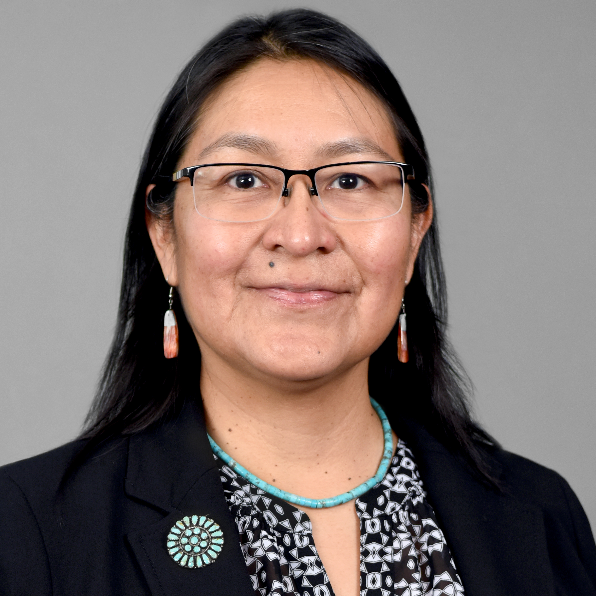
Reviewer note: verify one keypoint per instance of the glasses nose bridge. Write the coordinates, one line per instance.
(311, 175)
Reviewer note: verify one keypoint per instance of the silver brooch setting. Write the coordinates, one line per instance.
(195, 541)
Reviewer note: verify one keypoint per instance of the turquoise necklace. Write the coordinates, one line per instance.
(319, 503)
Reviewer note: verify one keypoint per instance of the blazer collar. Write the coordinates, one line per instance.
(497, 542)
(171, 469)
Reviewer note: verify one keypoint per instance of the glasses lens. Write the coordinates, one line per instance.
(362, 191)
(237, 192)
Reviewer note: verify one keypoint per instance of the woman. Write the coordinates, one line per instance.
(283, 219)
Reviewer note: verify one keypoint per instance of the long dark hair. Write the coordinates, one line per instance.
(139, 387)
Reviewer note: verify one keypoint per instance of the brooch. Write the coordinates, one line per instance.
(195, 541)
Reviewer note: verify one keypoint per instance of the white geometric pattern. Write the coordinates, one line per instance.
(403, 552)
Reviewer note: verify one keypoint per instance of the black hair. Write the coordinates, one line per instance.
(139, 387)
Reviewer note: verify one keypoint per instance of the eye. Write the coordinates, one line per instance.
(348, 182)
(245, 180)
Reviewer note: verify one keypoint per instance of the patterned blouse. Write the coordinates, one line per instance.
(402, 550)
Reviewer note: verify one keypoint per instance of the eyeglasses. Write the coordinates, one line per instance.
(245, 192)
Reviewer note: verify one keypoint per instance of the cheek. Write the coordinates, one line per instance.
(205, 258)
(206, 262)
(385, 256)
(212, 259)
(383, 261)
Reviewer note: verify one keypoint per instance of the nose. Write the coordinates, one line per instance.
(299, 226)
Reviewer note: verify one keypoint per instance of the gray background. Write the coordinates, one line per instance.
(504, 93)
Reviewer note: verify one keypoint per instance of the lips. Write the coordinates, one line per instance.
(300, 297)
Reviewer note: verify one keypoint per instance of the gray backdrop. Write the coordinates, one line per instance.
(504, 93)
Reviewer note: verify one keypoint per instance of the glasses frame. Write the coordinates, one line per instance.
(407, 176)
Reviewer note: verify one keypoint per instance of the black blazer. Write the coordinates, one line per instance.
(105, 533)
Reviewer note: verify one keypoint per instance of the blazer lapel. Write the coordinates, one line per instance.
(171, 470)
(497, 541)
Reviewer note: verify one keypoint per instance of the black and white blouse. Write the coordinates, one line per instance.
(402, 550)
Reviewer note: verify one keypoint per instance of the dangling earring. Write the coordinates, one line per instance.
(402, 336)
(170, 330)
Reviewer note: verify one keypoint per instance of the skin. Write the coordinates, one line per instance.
(285, 349)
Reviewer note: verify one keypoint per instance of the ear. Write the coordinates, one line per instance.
(162, 237)
(420, 224)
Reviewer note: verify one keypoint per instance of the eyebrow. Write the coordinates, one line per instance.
(347, 146)
(245, 142)
(260, 146)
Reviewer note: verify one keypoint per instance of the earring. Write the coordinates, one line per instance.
(402, 336)
(170, 330)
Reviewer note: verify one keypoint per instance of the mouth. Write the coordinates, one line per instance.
(293, 295)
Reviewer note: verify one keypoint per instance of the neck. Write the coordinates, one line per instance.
(316, 440)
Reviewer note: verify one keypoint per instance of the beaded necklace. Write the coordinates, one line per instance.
(319, 503)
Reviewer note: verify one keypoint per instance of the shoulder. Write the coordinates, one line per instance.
(28, 485)
(40, 510)
(531, 482)
(26, 489)
(567, 530)
(35, 486)
(525, 478)
(40, 467)
(525, 487)
(40, 477)
(519, 478)
(537, 485)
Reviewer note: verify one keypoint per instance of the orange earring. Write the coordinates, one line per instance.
(402, 336)
(170, 330)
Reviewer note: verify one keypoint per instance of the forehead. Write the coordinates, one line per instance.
(291, 110)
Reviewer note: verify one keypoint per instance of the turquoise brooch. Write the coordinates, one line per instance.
(195, 541)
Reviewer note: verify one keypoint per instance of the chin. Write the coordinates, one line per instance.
(300, 366)
(290, 377)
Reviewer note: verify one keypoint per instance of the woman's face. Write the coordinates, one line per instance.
(335, 288)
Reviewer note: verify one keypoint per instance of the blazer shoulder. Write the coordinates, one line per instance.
(41, 473)
(532, 482)
(42, 465)
(27, 488)
(40, 477)
(563, 514)
(46, 502)
(566, 523)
